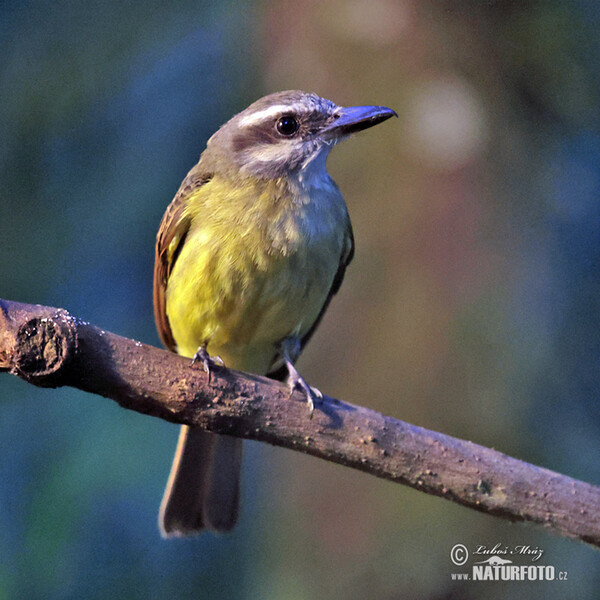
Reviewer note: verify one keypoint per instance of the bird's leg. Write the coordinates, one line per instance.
(208, 362)
(291, 346)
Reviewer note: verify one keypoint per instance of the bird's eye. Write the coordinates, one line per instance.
(287, 125)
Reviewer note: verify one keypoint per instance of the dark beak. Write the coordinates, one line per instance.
(356, 118)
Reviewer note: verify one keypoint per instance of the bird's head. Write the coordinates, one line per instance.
(287, 133)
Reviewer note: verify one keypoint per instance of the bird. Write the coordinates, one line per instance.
(248, 257)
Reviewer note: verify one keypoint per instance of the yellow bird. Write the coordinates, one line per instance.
(248, 255)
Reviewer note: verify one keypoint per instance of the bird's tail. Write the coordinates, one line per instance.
(204, 485)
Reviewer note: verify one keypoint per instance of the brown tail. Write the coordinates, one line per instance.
(204, 485)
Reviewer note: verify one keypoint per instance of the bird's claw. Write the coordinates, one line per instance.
(289, 347)
(313, 395)
(208, 362)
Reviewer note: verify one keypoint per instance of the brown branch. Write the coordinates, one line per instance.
(49, 348)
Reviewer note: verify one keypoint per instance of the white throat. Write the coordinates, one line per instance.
(313, 175)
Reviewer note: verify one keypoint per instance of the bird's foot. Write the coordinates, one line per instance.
(295, 380)
(209, 363)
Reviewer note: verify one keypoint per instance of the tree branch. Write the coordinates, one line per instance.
(50, 348)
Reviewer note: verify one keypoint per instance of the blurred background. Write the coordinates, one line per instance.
(472, 306)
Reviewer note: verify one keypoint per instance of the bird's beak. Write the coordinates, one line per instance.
(356, 118)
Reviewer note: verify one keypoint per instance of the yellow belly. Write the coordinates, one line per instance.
(246, 278)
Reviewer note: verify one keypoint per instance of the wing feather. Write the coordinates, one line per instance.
(169, 241)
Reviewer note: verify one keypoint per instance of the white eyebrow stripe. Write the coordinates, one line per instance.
(265, 113)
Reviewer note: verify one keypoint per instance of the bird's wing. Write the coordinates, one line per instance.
(169, 241)
(280, 373)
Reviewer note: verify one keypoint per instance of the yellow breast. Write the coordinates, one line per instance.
(256, 266)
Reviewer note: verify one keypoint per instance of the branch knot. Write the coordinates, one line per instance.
(44, 346)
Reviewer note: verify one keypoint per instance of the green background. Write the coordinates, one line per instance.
(472, 306)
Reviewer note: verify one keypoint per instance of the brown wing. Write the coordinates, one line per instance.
(281, 372)
(169, 241)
